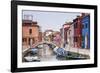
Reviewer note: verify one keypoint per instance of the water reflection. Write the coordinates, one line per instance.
(48, 52)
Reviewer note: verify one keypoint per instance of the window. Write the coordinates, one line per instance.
(75, 39)
(24, 39)
(30, 31)
(75, 25)
(82, 26)
(82, 38)
(86, 25)
(29, 41)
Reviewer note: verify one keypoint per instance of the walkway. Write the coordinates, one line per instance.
(78, 50)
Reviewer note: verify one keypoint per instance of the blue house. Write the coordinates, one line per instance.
(86, 31)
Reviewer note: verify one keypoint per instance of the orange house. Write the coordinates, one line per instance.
(30, 33)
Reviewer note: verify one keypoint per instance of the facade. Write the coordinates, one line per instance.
(30, 33)
(48, 35)
(77, 32)
(57, 38)
(65, 29)
(40, 36)
(86, 31)
(70, 35)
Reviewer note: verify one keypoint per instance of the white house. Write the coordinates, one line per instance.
(70, 36)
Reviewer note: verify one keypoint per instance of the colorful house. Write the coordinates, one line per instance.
(48, 35)
(70, 35)
(66, 26)
(77, 32)
(57, 38)
(86, 31)
(30, 32)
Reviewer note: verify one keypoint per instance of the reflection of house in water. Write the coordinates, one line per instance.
(30, 32)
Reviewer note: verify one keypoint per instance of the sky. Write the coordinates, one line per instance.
(50, 20)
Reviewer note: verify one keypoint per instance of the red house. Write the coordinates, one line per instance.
(77, 32)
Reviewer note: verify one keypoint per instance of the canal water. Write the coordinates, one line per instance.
(47, 54)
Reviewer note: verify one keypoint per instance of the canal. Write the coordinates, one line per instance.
(45, 52)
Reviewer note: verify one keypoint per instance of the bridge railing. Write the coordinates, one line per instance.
(36, 44)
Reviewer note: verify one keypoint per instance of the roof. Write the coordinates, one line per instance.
(26, 21)
(29, 23)
(67, 23)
